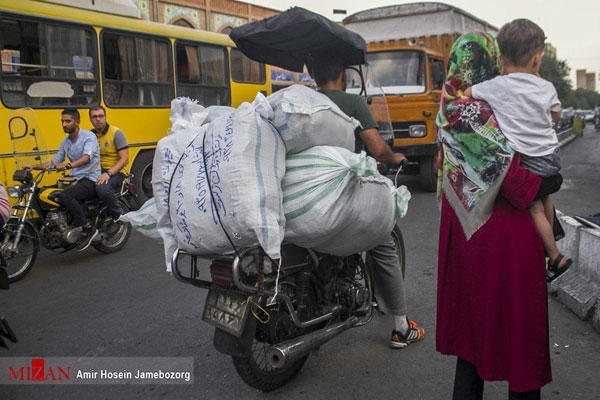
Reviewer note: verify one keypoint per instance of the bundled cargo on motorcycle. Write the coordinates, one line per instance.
(218, 185)
(306, 118)
(187, 117)
(336, 202)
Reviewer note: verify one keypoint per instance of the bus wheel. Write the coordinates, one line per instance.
(428, 174)
(142, 176)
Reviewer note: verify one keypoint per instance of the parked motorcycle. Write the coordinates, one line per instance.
(269, 318)
(38, 219)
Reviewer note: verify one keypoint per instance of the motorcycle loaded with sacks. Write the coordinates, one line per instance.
(38, 219)
(269, 315)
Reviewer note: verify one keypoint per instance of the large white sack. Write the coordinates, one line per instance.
(186, 113)
(245, 159)
(188, 120)
(144, 220)
(166, 157)
(336, 202)
(306, 118)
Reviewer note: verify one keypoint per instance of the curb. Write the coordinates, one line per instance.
(579, 288)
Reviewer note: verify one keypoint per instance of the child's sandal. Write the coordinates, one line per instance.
(554, 270)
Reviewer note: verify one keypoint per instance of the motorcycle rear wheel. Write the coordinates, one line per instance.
(254, 369)
(19, 264)
(256, 376)
(116, 242)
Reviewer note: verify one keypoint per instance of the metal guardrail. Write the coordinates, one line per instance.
(564, 134)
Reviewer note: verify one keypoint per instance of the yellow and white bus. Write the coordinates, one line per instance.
(56, 56)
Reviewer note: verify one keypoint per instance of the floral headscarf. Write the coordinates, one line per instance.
(475, 153)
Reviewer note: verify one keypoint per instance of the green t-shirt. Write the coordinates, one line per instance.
(355, 106)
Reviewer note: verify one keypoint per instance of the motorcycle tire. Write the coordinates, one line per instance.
(116, 242)
(254, 369)
(19, 265)
(428, 174)
(254, 376)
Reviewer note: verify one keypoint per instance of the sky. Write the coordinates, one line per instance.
(571, 26)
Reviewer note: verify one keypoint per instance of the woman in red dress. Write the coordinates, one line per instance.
(492, 300)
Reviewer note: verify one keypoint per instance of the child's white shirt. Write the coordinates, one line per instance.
(522, 103)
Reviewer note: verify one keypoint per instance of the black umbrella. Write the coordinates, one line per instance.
(297, 36)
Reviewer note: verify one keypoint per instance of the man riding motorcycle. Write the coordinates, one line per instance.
(114, 156)
(80, 146)
(330, 75)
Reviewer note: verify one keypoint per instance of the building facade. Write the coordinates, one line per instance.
(585, 80)
(209, 15)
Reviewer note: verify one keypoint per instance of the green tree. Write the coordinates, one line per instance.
(584, 99)
(557, 72)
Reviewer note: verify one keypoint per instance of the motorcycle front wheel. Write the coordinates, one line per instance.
(112, 244)
(20, 261)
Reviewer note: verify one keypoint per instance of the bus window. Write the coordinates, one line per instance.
(202, 73)
(47, 65)
(245, 70)
(137, 71)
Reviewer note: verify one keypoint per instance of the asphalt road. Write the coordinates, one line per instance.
(125, 305)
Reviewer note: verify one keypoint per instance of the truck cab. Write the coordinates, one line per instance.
(407, 54)
(411, 78)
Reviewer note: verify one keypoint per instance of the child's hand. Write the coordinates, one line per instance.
(468, 92)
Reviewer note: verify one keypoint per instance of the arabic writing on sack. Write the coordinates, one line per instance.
(220, 152)
(197, 158)
(165, 174)
(180, 210)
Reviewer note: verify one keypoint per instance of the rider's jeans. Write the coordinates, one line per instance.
(72, 198)
(387, 278)
(106, 193)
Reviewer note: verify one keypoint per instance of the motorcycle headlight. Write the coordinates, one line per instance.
(417, 131)
(13, 191)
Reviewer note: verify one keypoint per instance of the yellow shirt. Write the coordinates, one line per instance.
(109, 152)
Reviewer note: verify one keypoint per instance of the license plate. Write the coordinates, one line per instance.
(226, 311)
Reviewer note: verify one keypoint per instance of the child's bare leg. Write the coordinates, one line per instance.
(549, 210)
(537, 212)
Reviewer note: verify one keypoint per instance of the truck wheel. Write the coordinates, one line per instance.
(142, 176)
(428, 174)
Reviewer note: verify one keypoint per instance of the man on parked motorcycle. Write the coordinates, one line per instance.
(114, 156)
(81, 148)
(329, 73)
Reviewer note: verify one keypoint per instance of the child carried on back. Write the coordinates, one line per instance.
(525, 105)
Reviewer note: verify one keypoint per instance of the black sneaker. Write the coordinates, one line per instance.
(87, 235)
(413, 334)
(113, 228)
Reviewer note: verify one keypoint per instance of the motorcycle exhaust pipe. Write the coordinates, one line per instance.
(296, 348)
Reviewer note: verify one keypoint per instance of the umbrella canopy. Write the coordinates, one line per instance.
(297, 36)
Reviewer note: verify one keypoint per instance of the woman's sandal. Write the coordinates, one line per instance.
(554, 270)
